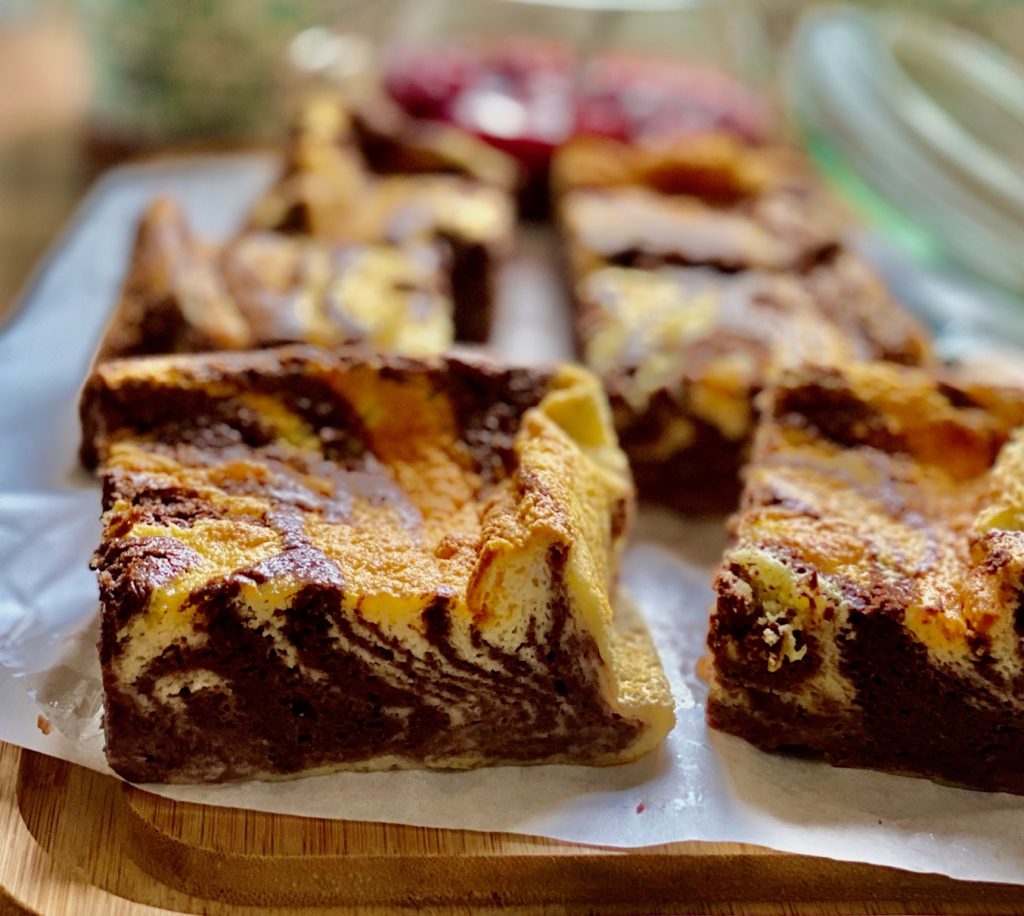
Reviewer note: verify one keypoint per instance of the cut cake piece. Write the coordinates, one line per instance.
(697, 270)
(869, 611)
(704, 201)
(394, 143)
(315, 560)
(328, 190)
(260, 289)
(683, 352)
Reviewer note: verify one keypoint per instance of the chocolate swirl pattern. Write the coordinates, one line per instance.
(699, 270)
(317, 559)
(183, 294)
(869, 611)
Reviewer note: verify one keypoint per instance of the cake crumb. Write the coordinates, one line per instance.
(44, 725)
(705, 668)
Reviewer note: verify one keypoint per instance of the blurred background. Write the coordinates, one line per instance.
(914, 110)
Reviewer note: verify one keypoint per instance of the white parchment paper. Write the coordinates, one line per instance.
(698, 786)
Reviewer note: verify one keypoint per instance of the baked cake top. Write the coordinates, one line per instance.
(393, 209)
(326, 190)
(393, 142)
(707, 202)
(886, 490)
(721, 334)
(289, 289)
(403, 207)
(183, 294)
(718, 168)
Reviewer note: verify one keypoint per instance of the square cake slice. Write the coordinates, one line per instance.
(318, 559)
(327, 189)
(869, 611)
(183, 294)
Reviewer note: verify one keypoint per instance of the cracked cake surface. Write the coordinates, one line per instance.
(318, 559)
(869, 609)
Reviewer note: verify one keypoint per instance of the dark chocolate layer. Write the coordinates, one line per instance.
(702, 477)
(909, 715)
(271, 717)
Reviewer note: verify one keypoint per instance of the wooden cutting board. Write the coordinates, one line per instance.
(77, 842)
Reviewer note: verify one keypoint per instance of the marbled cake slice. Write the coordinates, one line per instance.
(184, 295)
(869, 611)
(328, 189)
(316, 560)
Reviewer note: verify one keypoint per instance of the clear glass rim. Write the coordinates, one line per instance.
(972, 63)
(843, 84)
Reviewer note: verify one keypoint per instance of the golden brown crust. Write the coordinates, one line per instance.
(869, 608)
(719, 169)
(415, 558)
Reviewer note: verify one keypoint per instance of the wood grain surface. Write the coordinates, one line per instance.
(78, 842)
